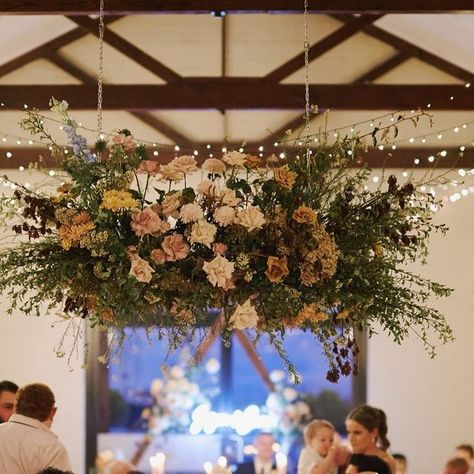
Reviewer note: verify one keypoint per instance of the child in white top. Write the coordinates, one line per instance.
(320, 455)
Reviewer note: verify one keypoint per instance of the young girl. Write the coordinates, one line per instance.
(320, 455)
(367, 433)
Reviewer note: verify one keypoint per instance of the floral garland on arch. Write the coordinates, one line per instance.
(275, 245)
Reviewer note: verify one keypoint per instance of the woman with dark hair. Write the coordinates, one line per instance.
(367, 433)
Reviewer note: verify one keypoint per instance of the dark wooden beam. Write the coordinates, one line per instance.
(47, 48)
(383, 68)
(152, 121)
(321, 47)
(399, 158)
(241, 93)
(127, 7)
(414, 50)
(129, 49)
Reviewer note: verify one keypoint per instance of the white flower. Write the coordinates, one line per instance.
(204, 233)
(277, 376)
(219, 271)
(290, 394)
(176, 372)
(234, 158)
(213, 366)
(244, 316)
(224, 215)
(191, 213)
(156, 386)
(251, 218)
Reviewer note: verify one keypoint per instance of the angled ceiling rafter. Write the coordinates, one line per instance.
(129, 50)
(46, 48)
(412, 50)
(147, 118)
(383, 68)
(321, 47)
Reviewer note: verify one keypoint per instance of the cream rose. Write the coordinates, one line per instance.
(147, 222)
(171, 173)
(213, 165)
(244, 316)
(174, 247)
(251, 218)
(141, 269)
(185, 164)
(234, 158)
(203, 233)
(219, 271)
(170, 204)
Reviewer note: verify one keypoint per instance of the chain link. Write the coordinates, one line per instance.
(100, 74)
(307, 108)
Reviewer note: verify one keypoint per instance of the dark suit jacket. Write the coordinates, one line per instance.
(248, 468)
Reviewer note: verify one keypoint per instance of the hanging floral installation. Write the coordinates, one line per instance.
(258, 245)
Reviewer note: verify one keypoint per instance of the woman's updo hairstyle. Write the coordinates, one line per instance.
(371, 418)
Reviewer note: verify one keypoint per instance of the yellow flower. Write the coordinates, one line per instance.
(71, 233)
(284, 177)
(277, 269)
(312, 313)
(304, 215)
(114, 201)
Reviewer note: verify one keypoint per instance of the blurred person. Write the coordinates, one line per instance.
(465, 451)
(367, 433)
(321, 454)
(27, 444)
(457, 466)
(7, 399)
(263, 461)
(401, 461)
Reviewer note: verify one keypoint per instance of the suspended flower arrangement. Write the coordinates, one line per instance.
(258, 245)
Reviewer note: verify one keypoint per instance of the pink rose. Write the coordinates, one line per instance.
(174, 247)
(219, 248)
(141, 270)
(147, 222)
(149, 167)
(125, 140)
(158, 256)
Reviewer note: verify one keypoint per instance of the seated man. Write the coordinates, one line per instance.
(7, 399)
(27, 445)
(263, 462)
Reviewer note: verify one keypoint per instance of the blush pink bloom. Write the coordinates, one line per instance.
(175, 247)
(251, 218)
(149, 167)
(158, 256)
(213, 165)
(148, 222)
(141, 270)
(224, 215)
(208, 188)
(126, 141)
(219, 248)
(203, 233)
(170, 204)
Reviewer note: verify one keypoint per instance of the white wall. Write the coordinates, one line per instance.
(429, 403)
(27, 356)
